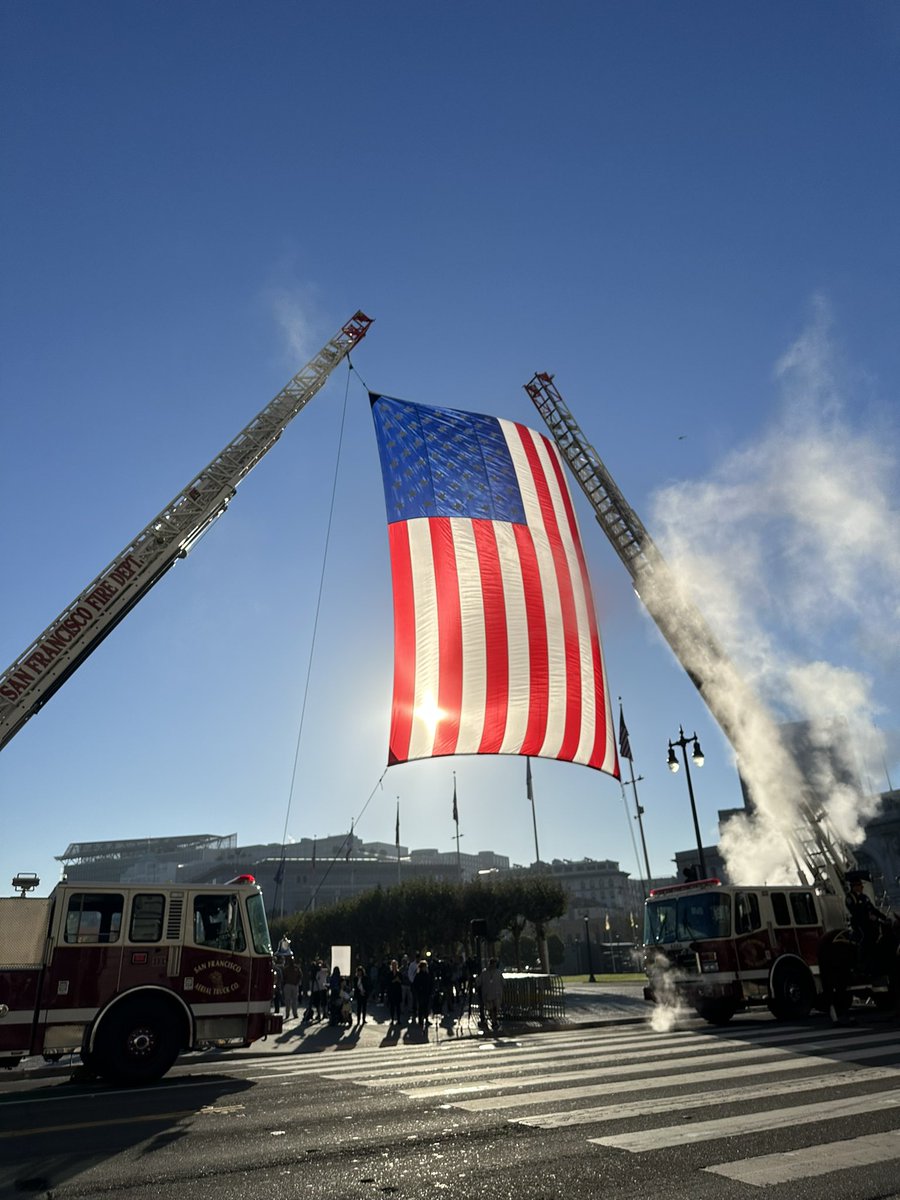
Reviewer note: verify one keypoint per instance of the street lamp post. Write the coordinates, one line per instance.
(587, 941)
(673, 764)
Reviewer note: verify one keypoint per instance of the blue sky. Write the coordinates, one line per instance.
(688, 213)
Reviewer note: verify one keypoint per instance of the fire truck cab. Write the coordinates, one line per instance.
(131, 975)
(721, 948)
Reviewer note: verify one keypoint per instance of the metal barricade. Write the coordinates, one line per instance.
(531, 997)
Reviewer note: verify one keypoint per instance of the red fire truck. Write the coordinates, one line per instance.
(722, 948)
(131, 976)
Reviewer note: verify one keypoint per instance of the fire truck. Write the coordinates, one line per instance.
(40, 670)
(129, 976)
(722, 948)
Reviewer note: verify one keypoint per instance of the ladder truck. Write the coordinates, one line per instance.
(126, 975)
(40, 670)
(720, 947)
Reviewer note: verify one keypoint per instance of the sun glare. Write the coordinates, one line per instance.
(429, 713)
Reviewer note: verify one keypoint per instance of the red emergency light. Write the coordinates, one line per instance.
(241, 879)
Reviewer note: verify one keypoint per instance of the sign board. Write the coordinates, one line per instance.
(340, 958)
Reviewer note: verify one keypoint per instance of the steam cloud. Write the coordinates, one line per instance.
(792, 552)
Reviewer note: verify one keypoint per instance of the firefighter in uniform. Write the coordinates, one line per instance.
(866, 922)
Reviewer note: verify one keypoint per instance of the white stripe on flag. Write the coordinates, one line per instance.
(474, 653)
(549, 587)
(424, 716)
(519, 702)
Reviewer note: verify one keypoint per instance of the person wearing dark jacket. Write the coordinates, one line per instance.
(422, 986)
(866, 921)
(361, 995)
(394, 990)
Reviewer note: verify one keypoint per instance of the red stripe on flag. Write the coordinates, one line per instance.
(496, 646)
(601, 746)
(404, 642)
(449, 620)
(538, 656)
(572, 727)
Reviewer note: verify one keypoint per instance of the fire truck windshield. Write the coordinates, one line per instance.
(259, 928)
(687, 918)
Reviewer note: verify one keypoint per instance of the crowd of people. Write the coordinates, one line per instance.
(416, 990)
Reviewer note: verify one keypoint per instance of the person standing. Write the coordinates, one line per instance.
(394, 991)
(422, 986)
(321, 991)
(361, 995)
(291, 977)
(490, 987)
(277, 984)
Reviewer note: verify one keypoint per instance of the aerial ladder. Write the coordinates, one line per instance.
(819, 856)
(30, 681)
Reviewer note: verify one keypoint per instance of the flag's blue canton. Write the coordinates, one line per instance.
(439, 462)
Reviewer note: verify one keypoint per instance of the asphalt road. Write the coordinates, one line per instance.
(597, 1109)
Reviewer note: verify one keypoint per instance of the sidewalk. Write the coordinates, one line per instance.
(586, 1005)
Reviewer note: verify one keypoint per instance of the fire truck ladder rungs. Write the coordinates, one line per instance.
(816, 850)
(52, 657)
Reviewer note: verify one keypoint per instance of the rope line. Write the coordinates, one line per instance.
(312, 646)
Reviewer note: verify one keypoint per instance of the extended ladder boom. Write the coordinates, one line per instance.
(52, 657)
(738, 710)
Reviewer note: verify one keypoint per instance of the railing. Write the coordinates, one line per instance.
(530, 997)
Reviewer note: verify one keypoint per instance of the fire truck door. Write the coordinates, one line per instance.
(216, 966)
(85, 965)
(750, 937)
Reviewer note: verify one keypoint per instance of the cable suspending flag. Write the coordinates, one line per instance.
(496, 645)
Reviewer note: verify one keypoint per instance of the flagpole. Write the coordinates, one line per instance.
(397, 840)
(456, 823)
(530, 793)
(625, 752)
(639, 812)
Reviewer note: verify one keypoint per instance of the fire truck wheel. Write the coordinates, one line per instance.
(793, 993)
(136, 1043)
(716, 1012)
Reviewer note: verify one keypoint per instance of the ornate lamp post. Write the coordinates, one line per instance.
(673, 764)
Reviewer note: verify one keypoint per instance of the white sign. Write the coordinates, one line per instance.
(340, 958)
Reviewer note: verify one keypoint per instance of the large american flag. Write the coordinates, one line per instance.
(496, 646)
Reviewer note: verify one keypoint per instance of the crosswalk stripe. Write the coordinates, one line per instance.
(618, 1071)
(440, 1051)
(739, 1124)
(769, 1169)
(664, 1105)
(685, 1081)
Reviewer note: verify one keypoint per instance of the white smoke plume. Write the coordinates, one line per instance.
(294, 309)
(792, 552)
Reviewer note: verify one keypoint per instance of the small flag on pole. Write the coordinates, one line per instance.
(529, 788)
(455, 809)
(397, 830)
(624, 741)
